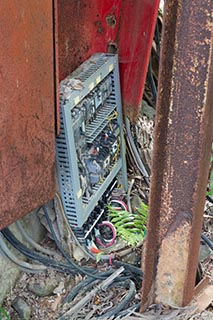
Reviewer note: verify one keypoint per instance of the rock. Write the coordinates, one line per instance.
(205, 252)
(43, 290)
(22, 308)
(59, 289)
(131, 258)
(148, 110)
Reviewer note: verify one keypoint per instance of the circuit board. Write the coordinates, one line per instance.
(90, 149)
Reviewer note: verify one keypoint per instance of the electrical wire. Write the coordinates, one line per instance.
(99, 237)
(128, 195)
(124, 302)
(25, 266)
(87, 253)
(121, 204)
(139, 162)
(61, 267)
(82, 270)
(73, 293)
(71, 262)
(207, 241)
(31, 241)
(152, 82)
(134, 307)
(209, 199)
(157, 40)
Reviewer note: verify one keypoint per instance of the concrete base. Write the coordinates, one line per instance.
(9, 272)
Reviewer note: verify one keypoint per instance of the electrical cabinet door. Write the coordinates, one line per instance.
(26, 107)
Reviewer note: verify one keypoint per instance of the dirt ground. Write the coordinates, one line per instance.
(44, 293)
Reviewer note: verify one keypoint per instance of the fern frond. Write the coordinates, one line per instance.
(131, 227)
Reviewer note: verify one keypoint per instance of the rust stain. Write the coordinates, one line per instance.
(183, 138)
(27, 108)
(170, 279)
(111, 20)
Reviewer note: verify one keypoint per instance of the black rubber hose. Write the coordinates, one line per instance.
(207, 241)
(157, 39)
(35, 256)
(59, 266)
(152, 82)
(88, 272)
(135, 307)
(23, 265)
(81, 270)
(74, 291)
(133, 269)
(209, 199)
(125, 301)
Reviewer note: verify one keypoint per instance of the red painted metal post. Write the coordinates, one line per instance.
(137, 26)
(183, 139)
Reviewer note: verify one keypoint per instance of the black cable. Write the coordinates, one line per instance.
(72, 263)
(209, 199)
(125, 301)
(134, 151)
(133, 269)
(207, 241)
(152, 82)
(73, 293)
(36, 256)
(134, 307)
(88, 272)
(157, 40)
(59, 266)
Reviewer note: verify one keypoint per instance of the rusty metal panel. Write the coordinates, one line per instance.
(125, 27)
(84, 27)
(26, 107)
(183, 138)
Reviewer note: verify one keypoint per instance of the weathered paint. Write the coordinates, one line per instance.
(84, 28)
(123, 26)
(26, 107)
(137, 26)
(183, 138)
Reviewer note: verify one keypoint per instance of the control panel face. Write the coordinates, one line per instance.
(90, 147)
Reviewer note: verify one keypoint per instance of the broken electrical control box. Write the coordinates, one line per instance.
(90, 149)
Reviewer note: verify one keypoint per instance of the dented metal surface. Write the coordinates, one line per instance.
(26, 107)
(182, 146)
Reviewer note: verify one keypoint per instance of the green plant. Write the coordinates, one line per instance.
(210, 181)
(3, 314)
(131, 227)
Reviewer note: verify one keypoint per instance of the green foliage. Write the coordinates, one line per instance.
(131, 227)
(210, 182)
(3, 314)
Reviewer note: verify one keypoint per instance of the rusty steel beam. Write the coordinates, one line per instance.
(183, 139)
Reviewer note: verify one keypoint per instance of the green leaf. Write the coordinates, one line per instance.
(4, 313)
(130, 227)
(98, 256)
(210, 182)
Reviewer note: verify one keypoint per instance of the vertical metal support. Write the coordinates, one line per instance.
(183, 138)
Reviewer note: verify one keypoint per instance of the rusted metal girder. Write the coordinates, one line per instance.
(183, 138)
